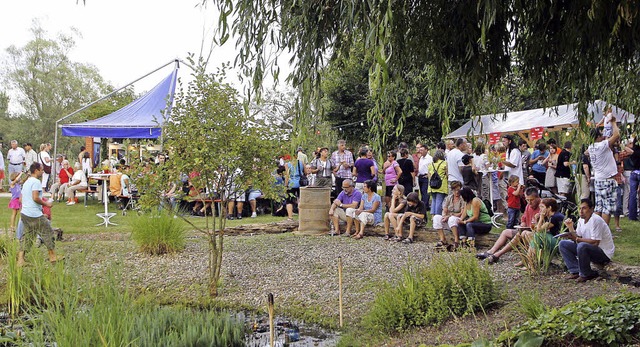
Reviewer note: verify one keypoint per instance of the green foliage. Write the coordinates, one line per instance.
(220, 148)
(530, 304)
(104, 314)
(569, 51)
(185, 327)
(598, 320)
(158, 233)
(49, 85)
(453, 285)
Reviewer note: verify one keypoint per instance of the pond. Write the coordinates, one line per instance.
(288, 332)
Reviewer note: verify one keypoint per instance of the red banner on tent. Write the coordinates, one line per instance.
(536, 133)
(494, 138)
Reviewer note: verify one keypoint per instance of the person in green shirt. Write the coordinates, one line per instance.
(475, 218)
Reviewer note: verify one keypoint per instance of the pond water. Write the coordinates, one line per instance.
(288, 333)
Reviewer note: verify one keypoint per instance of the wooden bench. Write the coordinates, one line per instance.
(87, 191)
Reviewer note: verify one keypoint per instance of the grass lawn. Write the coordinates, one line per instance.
(77, 219)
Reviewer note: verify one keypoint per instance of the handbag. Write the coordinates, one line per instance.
(304, 181)
(46, 168)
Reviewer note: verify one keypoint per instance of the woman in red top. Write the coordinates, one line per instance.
(58, 188)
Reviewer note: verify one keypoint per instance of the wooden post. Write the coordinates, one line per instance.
(340, 287)
(272, 335)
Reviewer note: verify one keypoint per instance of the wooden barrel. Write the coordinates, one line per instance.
(313, 211)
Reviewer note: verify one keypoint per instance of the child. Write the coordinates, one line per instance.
(14, 204)
(607, 121)
(513, 201)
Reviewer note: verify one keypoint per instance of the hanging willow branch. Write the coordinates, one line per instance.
(568, 50)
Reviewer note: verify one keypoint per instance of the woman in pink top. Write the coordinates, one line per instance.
(392, 171)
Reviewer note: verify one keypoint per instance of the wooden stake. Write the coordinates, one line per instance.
(340, 286)
(272, 335)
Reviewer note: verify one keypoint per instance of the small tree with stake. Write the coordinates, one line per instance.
(223, 151)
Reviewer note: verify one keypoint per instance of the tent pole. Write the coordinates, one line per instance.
(166, 109)
(55, 147)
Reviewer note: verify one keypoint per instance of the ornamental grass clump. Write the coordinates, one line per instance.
(452, 285)
(159, 233)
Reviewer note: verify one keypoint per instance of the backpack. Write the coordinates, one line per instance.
(489, 207)
(435, 182)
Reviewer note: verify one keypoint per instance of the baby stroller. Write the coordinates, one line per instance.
(567, 207)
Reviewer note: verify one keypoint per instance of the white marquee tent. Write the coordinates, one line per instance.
(551, 118)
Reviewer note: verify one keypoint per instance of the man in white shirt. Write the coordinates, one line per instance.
(514, 161)
(30, 156)
(15, 157)
(604, 168)
(423, 172)
(454, 161)
(591, 241)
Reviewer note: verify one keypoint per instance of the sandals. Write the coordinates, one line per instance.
(396, 239)
(358, 236)
(408, 240)
(483, 255)
(492, 259)
(387, 237)
(618, 229)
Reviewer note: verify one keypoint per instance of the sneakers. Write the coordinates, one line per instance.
(239, 216)
(254, 215)
(71, 202)
(483, 255)
(230, 217)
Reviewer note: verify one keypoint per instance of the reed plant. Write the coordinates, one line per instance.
(76, 313)
(537, 253)
(158, 233)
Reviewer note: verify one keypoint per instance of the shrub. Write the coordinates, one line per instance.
(452, 285)
(159, 233)
(595, 321)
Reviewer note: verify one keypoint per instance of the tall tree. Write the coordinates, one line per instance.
(48, 85)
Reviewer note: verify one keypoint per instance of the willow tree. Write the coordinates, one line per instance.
(586, 48)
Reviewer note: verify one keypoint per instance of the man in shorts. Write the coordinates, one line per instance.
(349, 197)
(33, 219)
(604, 168)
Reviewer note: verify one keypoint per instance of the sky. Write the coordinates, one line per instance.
(124, 39)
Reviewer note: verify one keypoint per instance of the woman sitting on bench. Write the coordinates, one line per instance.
(78, 181)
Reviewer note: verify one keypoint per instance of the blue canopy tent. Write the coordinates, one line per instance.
(141, 119)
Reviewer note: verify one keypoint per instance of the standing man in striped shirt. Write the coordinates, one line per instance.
(343, 159)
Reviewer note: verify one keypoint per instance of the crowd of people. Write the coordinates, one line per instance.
(462, 187)
(459, 186)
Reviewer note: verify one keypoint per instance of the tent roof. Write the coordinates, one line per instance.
(562, 116)
(141, 119)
